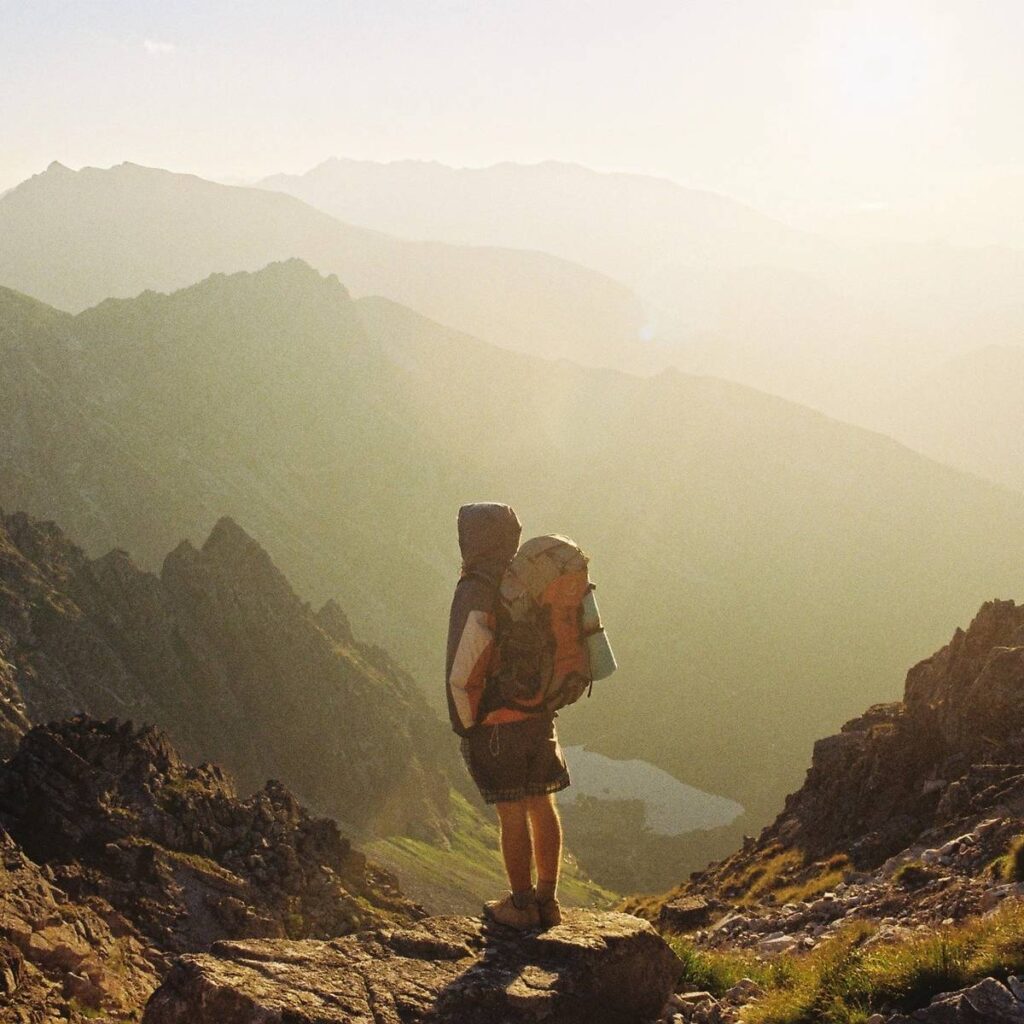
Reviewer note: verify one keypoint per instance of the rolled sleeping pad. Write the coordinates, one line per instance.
(602, 658)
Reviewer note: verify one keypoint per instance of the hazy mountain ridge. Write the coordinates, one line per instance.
(969, 412)
(75, 238)
(858, 329)
(688, 250)
(552, 206)
(346, 433)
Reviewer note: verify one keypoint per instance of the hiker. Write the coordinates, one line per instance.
(513, 755)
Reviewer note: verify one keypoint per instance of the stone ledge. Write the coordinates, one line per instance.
(594, 968)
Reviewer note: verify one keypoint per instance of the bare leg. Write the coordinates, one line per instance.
(515, 844)
(547, 841)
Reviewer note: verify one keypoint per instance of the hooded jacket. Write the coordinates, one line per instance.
(488, 538)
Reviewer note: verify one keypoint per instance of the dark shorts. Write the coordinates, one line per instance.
(515, 760)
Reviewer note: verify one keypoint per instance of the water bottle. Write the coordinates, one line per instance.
(602, 658)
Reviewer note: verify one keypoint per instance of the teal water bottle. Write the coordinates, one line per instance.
(602, 658)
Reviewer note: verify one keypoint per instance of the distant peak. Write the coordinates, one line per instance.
(229, 549)
(115, 559)
(293, 267)
(184, 549)
(227, 533)
(229, 542)
(292, 276)
(184, 554)
(297, 272)
(56, 167)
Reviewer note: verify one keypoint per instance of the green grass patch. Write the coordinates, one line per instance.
(716, 971)
(783, 876)
(1010, 867)
(193, 861)
(845, 980)
(83, 1011)
(458, 879)
(205, 866)
(820, 881)
(768, 874)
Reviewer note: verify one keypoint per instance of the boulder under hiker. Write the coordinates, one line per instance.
(513, 754)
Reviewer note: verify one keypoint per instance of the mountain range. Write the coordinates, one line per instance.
(74, 238)
(618, 270)
(858, 329)
(764, 570)
(702, 261)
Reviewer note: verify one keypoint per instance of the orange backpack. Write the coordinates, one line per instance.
(550, 645)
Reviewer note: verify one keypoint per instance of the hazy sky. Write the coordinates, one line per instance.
(770, 100)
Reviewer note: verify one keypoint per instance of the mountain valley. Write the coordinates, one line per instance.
(777, 546)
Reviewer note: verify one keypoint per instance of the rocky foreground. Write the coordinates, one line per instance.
(125, 870)
(592, 969)
(115, 855)
(889, 891)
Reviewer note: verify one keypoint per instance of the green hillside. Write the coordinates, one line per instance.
(441, 878)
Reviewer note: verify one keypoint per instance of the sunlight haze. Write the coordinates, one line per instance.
(802, 107)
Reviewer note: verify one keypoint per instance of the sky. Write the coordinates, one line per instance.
(828, 104)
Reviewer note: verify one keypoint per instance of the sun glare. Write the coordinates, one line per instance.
(876, 63)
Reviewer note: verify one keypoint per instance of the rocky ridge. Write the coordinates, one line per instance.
(117, 854)
(218, 650)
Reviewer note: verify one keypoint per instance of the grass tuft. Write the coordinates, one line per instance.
(847, 978)
(1011, 864)
(716, 971)
(822, 880)
(914, 874)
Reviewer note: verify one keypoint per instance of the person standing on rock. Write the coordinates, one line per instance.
(513, 756)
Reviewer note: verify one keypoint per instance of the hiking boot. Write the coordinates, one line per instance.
(550, 913)
(504, 911)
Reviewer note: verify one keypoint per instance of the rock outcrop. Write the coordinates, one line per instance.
(113, 812)
(592, 969)
(937, 775)
(219, 651)
(955, 740)
(65, 960)
(988, 1002)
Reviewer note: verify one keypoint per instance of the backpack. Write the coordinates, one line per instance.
(550, 645)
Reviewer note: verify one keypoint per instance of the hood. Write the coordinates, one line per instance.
(488, 537)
